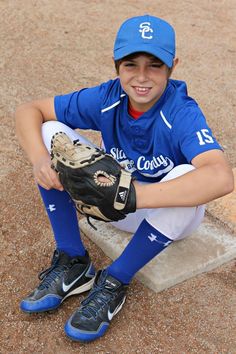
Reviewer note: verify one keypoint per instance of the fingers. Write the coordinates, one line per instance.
(49, 180)
(45, 176)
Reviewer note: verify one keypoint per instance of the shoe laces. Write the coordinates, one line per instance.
(50, 274)
(95, 301)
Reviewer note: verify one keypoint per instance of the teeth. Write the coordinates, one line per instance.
(142, 89)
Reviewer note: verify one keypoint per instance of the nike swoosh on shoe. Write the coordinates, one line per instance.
(110, 314)
(65, 287)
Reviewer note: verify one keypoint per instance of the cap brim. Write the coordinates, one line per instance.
(160, 53)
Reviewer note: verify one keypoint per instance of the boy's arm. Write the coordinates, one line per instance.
(211, 179)
(29, 118)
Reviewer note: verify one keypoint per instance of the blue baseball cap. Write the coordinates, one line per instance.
(147, 34)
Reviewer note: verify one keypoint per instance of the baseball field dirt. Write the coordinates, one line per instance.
(49, 48)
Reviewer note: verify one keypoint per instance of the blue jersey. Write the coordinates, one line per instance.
(170, 133)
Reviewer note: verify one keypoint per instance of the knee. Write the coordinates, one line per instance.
(49, 129)
(51, 126)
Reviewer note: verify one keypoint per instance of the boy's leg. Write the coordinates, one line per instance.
(157, 229)
(71, 271)
(59, 206)
(63, 218)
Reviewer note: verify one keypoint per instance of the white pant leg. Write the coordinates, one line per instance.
(175, 223)
(51, 127)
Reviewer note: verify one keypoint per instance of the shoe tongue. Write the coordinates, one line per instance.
(62, 258)
(111, 283)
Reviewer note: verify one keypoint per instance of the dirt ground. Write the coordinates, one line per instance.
(51, 47)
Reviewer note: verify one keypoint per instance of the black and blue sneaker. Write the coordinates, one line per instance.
(65, 277)
(92, 318)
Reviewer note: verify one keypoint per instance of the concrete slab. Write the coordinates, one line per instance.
(224, 209)
(206, 249)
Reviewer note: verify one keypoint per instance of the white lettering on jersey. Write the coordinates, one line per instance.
(204, 137)
(143, 165)
(146, 165)
(118, 154)
(144, 29)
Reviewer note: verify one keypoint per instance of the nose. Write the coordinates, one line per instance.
(142, 74)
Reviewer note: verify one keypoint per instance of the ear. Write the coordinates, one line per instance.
(116, 66)
(175, 63)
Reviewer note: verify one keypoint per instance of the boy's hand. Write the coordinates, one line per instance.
(44, 175)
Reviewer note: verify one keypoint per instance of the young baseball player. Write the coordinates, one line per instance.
(149, 124)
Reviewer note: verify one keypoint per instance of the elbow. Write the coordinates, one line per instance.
(27, 111)
(19, 112)
(228, 183)
(19, 117)
(21, 108)
(231, 185)
(23, 113)
(222, 180)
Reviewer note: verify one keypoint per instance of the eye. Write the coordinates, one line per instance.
(157, 65)
(129, 64)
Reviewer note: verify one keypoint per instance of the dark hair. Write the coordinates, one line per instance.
(132, 56)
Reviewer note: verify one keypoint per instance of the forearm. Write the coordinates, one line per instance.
(193, 188)
(28, 129)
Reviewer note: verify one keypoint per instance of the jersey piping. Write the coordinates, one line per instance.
(165, 120)
(113, 105)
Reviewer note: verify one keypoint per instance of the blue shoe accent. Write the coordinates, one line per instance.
(47, 303)
(83, 336)
(93, 317)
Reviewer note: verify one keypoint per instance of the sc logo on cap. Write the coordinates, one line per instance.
(145, 29)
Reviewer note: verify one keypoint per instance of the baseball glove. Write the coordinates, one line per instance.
(80, 168)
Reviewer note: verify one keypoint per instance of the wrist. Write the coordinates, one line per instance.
(139, 194)
(39, 155)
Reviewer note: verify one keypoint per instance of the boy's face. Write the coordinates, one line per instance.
(144, 79)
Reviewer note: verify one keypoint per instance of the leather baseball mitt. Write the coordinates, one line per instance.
(96, 182)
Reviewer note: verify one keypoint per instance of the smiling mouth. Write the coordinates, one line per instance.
(142, 90)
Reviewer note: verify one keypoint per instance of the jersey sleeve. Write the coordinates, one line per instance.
(80, 109)
(192, 134)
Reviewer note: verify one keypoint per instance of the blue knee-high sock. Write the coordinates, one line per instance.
(63, 218)
(146, 243)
